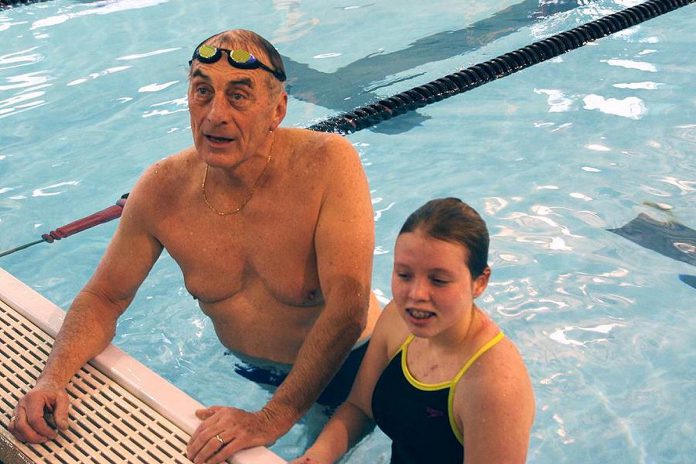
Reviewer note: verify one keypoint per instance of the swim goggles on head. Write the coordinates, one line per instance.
(238, 58)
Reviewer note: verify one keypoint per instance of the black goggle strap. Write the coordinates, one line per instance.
(237, 58)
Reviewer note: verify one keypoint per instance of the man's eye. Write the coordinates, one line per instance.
(202, 91)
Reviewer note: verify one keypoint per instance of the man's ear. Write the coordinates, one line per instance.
(280, 110)
(481, 282)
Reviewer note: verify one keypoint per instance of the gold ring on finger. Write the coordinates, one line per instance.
(219, 438)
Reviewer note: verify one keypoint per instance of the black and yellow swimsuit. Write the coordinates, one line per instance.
(418, 417)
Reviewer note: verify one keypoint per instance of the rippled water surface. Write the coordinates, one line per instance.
(554, 156)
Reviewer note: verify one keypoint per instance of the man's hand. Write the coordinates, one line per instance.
(29, 422)
(226, 430)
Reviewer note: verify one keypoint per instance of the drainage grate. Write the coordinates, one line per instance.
(107, 423)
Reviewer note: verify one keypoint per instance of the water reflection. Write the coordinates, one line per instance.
(337, 90)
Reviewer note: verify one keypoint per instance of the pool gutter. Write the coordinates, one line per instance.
(164, 398)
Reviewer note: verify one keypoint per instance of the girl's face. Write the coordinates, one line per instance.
(432, 285)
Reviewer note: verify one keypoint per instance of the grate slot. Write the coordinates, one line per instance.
(106, 457)
(118, 455)
(12, 379)
(109, 435)
(61, 460)
(6, 407)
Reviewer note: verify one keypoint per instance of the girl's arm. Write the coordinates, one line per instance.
(345, 428)
(494, 404)
(351, 420)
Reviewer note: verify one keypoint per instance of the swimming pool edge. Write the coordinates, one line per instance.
(162, 396)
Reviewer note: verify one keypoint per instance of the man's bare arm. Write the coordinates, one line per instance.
(90, 322)
(344, 242)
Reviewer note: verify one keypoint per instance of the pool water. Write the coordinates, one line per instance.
(93, 92)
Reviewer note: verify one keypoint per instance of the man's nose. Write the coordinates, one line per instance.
(219, 111)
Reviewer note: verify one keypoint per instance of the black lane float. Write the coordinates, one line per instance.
(445, 87)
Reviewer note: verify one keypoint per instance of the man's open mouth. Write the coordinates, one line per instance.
(217, 139)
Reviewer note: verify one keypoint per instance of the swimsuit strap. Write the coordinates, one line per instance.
(407, 372)
(490, 344)
(450, 400)
(406, 342)
(447, 383)
(403, 346)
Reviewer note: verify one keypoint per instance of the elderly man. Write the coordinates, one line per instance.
(273, 230)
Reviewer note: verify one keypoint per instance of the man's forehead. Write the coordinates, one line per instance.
(226, 74)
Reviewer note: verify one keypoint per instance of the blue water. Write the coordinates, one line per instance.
(93, 92)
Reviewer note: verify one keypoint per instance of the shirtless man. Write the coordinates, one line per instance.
(273, 230)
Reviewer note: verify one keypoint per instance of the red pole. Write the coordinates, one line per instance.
(100, 217)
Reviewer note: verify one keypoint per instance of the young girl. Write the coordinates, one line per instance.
(439, 377)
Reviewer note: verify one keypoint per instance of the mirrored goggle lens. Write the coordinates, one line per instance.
(208, 53)
(242, 57)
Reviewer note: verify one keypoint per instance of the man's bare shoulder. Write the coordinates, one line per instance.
(171, 169)
(320, 149)
(169, 174)
(164, 183)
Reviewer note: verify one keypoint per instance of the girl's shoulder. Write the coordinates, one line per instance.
(390, 331)
(494, 406)
(499, 376)
(500, 358)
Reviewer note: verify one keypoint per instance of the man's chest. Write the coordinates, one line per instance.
(220, 255)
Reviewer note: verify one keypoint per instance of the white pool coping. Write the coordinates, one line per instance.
(139, 380)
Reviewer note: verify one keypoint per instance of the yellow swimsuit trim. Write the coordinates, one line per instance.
(447, 384)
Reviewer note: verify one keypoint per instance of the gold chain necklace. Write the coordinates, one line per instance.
(248, 197)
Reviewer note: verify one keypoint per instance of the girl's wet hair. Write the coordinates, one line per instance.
(452, 220)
